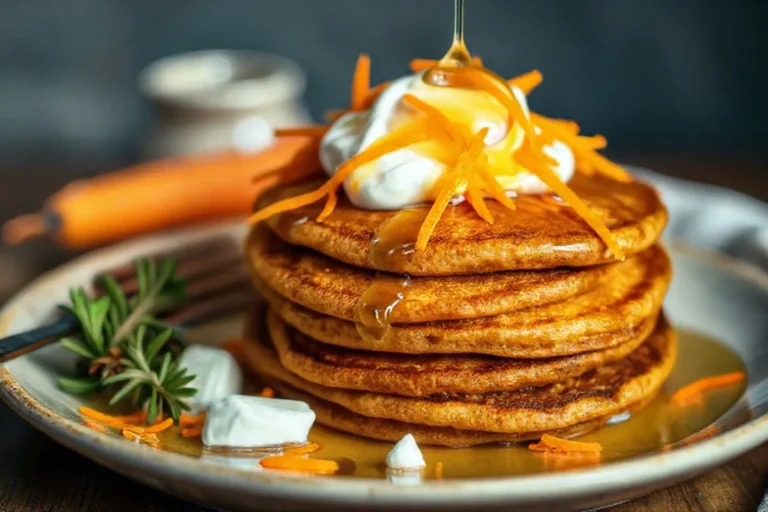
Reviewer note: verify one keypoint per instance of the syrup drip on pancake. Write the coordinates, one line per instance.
(394, 238)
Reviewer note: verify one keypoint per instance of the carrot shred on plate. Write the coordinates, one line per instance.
(439, 470)
(552, 443)
(299, 464)
(527, 82)
(188, 419)
(193, 431)
(158, 427)
(303, 450)
(697, 387)
(111, 420)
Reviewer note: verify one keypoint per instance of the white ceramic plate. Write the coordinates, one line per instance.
(710, 294)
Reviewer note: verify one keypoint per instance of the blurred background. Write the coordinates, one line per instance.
(652, 75)
(675, 85)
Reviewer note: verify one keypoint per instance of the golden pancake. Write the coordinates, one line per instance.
(601, 392)
(337, 417)
(327, 286)
(421, 375)
(604, 317)
(463, 243)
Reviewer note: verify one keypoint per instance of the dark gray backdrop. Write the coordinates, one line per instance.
(684, 75)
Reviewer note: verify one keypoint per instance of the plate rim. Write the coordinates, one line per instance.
(691, 460)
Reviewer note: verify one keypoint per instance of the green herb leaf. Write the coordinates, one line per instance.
(78, 347)
(122, 344)
(80, 386)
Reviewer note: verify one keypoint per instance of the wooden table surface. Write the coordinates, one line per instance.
(36, 474)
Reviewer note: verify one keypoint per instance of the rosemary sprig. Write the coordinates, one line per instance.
(124, 349)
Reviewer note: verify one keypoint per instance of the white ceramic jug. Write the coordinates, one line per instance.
(219, 99)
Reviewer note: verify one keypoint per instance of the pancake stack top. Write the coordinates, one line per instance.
(491, 332)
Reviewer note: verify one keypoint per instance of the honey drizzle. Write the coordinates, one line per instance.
(394, 239)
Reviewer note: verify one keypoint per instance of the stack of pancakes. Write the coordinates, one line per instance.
(494, 333)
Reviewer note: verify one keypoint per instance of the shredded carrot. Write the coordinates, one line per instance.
(437, 118)
(299, 464)
(193, 431)
(159, 427)
(473, 77)
(419, 65)
(330, 205)
(494, 189)
(583, 147)
(267, 393)
(551, 179)
(475, 198)
(459, 177)
(697, 387)
(98, 427)
(552, 443)
(527, 82)
(303, 450)
(142, 437)
(187, 419)
(361, 82)
(439, 470)
(113, 421)
(397, 139)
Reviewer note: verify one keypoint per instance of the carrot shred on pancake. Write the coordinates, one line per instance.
(361, 82)
(461, 153)
(698, 387)
(458, 179)
(475, 197)
(397, 139)
(526, 158)
(527, 82)
(476, 78)
(584, 147)
(549, 443)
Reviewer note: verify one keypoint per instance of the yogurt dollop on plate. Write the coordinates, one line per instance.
(240, 421)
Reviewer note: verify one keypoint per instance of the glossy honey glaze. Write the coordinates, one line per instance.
(658, 427)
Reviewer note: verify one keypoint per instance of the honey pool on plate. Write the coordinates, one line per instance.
(654, 428)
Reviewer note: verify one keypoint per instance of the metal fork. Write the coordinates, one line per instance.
(218, 283)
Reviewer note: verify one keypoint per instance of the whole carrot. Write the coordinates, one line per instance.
(163, 194)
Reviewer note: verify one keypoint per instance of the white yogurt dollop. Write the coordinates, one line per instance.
(406, 455)
(406, 177)
(249, 421)
(217, 375)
